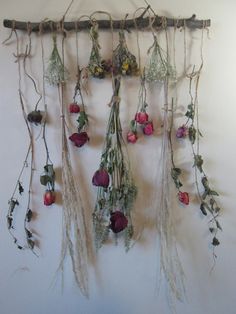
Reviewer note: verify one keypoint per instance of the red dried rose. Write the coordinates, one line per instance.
(148, 128)
(118, 221)
(79, 139)
(132, 137)
(101, 178)
(49, 198)
(141, 117)
(183, 197)
(74, 108)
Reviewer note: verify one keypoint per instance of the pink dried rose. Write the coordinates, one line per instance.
(183, 197)
(74, 108)
(118, 221)
(49, 198)
(182, 131)
(132, 137)
(79, 139)
(141, 117)
(148, 128)
(101, 178)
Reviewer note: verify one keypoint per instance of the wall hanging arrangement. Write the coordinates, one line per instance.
(116, 191)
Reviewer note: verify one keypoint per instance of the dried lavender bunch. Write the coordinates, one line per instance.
(116, 189)
(56, 73)
(159, 68)
(124, 62)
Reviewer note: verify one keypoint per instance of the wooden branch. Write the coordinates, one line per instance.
(142, 24)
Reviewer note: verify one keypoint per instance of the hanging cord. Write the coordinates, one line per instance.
(137, 35)
(48, 159)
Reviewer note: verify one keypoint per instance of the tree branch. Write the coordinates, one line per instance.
(142, 24)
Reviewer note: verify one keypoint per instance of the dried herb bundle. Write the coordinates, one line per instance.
(116, 189)
(97, 66)
(158, 68)
(124, 62)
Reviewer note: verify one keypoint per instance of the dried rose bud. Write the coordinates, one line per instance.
(74, 108)
(118, 221)
(141, 117)
(183, 197)
(101, 178)
(35, 117)
(148, 128)
(132, 137)
(79, 139)
(49, 198)
(182, 131)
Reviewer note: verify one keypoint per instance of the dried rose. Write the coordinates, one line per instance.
(35, 117)
(101, 178)
(132, 137)
(79, 139)
(183, 197)
(74, 108)
(182, 131)
(141, 117)
(148, 128)
(49, 198)
(118, 221)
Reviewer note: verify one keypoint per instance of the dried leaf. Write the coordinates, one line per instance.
(198, 162)
(218, 225)
(29, 215)
(9, 222)
(31, 243)
(20, 188)
(215, 241)
(203, 209)
(192, 134)
(190, 112)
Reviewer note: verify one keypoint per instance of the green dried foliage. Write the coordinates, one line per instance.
(48, 177)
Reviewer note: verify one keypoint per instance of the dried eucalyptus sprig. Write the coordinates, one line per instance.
(116, 189)
(141, 117)
(208, 204)
(56, 73)
(158, 68)
(124, 62)
(97, 66)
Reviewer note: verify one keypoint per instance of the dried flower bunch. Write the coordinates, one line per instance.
(124, 62)
(97, 67)
(141, 117)
(77, 106)
(158, 68)
(116, 189)
(56, 72)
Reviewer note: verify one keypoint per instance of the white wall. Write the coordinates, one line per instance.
(123, 283)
